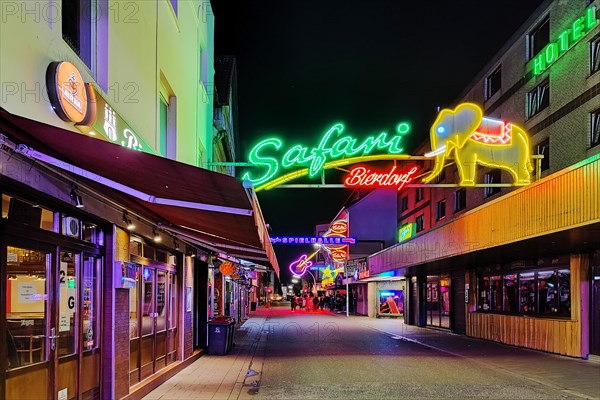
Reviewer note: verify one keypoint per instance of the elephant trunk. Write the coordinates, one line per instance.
(437, 168)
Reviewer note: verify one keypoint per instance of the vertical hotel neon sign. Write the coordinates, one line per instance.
(567, 39)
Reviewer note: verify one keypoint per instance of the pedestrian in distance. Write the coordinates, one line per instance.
(303, 302)
(315, 302)
(293, 303)
(321, 303)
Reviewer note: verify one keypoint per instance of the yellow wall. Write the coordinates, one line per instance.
(133, 64)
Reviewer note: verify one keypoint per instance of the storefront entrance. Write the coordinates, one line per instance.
(153, 313)
(595, 312)
(438, 301)
(51, 322)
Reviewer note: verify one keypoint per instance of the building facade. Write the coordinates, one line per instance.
(518, 265)
(111, 236)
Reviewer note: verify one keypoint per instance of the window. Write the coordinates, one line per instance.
(595, 128)
(527, 292)
(544, 149)
(538, 38)
(420, 194)
(404, 204)
(538, 99)
(492, 177)
(441, 177)
(460, 200)
(174, 5)
(594, 55)
(420, 221)
(440, 210)
(78, 28)
(493, 83)
(167, 141)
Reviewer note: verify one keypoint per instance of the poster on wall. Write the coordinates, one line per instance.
(391, 302)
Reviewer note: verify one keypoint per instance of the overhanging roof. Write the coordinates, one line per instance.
(207, 206)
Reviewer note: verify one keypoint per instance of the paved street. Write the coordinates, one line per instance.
(323, 356)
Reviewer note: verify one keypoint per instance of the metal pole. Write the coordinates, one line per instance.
(347, 290)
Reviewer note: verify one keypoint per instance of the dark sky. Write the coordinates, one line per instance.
(305, 64)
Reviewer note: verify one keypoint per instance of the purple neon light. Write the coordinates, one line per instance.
(305, 266)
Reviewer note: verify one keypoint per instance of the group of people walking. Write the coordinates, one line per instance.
(309, 302)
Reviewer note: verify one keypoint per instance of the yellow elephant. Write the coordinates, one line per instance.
(463, 134)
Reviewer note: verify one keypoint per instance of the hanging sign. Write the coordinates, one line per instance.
(406, 231)
(566, 40)
(79, 102)
(227, 268)
(334, 149)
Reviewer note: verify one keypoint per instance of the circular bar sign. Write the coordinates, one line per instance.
(67, 91)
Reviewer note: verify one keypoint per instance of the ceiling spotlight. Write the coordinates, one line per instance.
(175, 244)
(127, 221)
(155, 236)
(77, 200)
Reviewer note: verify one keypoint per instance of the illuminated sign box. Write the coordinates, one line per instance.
(407, 231)
(312, 240)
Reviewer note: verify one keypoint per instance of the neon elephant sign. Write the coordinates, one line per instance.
(470, 139)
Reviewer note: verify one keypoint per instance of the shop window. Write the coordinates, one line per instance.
(594, 55)
(135, 247)
(528, 292)
(460, 200)
(544, 150)
(404, 204)
(420, 194)
(68, 300)
(78, 28)
(538, 99)
(420, 221)
(595, 129)
(92, 233)
(440, 210)
(91, 303)
(493, 83)
(538, 38)
(148, 251)
(492, 177)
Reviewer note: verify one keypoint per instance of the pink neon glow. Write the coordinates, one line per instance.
(300, 266)
(492, 131)
(364, 177)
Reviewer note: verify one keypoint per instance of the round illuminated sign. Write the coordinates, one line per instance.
(68, 93)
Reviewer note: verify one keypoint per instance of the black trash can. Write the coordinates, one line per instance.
(219, 330)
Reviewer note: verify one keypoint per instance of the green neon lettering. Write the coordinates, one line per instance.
(319, 154)
(343, 147)
(578, 29)
(563, 40)
(295, 155)
(551, 53)
(538, 64)
(403, 128)
(269, 162)
(590, 18)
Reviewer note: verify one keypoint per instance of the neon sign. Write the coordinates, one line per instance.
(364, 177)
(406, 231)
(328, 275)
(567, 39)
(331, 147)
(470, 139)
(337, 229)
(311, 240)
(302, 264)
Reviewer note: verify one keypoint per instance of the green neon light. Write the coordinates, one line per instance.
(567, 39)
(406, 231)
(325, 152)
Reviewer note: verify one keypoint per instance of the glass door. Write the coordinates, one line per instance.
(148, 322)
(27, 315)
(161, 319)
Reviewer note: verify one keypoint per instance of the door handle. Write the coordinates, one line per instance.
(53, 338)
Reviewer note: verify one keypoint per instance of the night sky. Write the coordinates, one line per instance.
(303, 65)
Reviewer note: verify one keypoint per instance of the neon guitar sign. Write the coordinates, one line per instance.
(302, 264)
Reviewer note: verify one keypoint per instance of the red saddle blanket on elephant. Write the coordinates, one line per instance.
(492, 131)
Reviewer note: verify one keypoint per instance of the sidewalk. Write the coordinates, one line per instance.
(572, 376)
(222, 377)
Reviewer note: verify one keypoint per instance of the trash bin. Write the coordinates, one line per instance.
(219, 332)
(252, 306)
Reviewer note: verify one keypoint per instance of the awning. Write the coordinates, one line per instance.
(209, 207)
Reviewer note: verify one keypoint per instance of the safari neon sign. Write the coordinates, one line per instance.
(334, 150)
(567, 39)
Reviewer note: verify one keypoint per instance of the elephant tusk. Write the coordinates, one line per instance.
(436, 152)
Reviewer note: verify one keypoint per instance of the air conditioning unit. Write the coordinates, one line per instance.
(71, 226)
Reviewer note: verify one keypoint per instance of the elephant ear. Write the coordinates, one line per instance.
(467, 118)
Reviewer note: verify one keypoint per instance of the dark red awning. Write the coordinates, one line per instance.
(237, 228)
